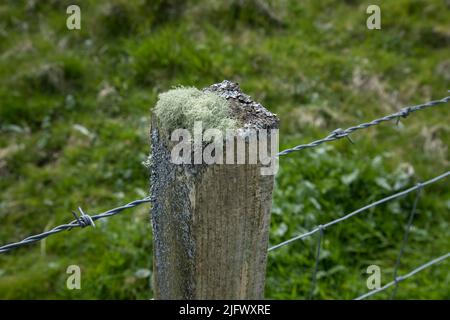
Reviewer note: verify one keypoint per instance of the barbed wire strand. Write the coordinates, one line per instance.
(341, 133)
(316, 263)
(371, 205)
(81, 221)
(403, 278)
(405, 240)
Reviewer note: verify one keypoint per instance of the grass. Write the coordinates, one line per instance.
(74, 122)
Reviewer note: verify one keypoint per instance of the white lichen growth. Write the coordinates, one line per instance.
(147, 163)
(179, 108)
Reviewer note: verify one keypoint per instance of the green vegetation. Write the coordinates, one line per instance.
(74, 130)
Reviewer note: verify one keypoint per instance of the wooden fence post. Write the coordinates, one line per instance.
(211, 222)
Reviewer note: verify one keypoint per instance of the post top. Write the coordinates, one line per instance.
(248, 113)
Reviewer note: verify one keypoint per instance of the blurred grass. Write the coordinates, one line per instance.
(74, 121)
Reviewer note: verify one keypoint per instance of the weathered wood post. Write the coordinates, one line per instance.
(211, 221)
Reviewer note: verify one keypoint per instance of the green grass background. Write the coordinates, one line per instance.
(74, 124)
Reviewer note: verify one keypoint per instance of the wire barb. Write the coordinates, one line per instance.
(83, 220)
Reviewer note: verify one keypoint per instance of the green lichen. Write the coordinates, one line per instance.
(181, 107)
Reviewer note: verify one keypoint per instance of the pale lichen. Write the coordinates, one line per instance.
(179, 108)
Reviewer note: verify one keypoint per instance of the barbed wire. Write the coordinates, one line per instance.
(341, 133)
(397, 280)
(81, 221)
(371, 205)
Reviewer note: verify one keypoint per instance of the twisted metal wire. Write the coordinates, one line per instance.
(371, 205)
(341, 133)
(81, 221)
(402, 278)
